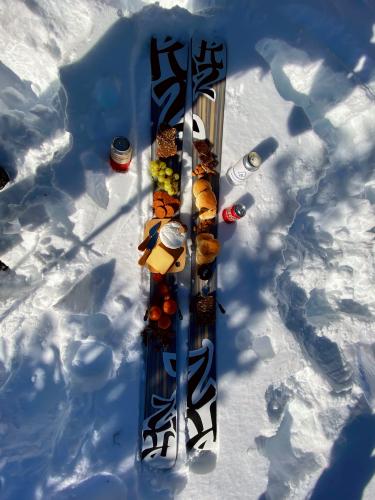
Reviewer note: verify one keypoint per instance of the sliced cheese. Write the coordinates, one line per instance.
(160, 260)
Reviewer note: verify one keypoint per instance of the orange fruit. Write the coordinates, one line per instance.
(170, 306)
(155, 313)
(164, 322)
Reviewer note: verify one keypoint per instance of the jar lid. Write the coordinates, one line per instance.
(254, 159)
(121, 144)
(240, 209)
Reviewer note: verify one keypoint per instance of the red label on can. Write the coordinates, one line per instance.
(121, 154)
(119, 167)
(229, 215)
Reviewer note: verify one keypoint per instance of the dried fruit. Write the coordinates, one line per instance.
(167, 202)
(160, 212)
(169, 210)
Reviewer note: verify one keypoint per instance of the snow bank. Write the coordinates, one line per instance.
(325, 293)
(97, 487)
(39, 36)
(295, 348)
(336, 218)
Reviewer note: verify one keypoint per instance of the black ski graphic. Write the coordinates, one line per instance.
(208, 79)
(169, 59)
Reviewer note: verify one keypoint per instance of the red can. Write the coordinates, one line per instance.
(121, 154)
(233, 213)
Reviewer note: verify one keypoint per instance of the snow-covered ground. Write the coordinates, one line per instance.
(296, 355)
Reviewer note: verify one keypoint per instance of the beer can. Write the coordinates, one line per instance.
(233, 213)
(242, 169)
(121, 154)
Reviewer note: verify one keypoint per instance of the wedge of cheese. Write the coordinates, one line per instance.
(160, 260)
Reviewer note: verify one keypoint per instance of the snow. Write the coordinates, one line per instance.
(295, 353)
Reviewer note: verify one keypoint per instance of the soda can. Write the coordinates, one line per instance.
(242, 169)
(233, 213)
(121, 154)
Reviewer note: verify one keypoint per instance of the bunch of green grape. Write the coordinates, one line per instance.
(164, 176)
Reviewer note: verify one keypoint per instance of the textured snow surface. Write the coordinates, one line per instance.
(295, 351)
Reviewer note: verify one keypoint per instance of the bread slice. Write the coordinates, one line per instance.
(207, 248)
(204, 259)
(206, 199)
(207, 213)
(201, 185)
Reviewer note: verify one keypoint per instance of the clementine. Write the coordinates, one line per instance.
(155, 313)
(170, 307)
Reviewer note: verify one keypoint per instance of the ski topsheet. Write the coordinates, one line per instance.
(169, 60)
(208, 80)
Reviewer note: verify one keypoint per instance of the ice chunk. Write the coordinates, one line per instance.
(89, 364)
(96, 188)
(87, 296)
(263, 347)
(12, 227)
(98, 323)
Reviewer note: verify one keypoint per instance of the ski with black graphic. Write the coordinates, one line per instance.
(208, 63)
(158, 440)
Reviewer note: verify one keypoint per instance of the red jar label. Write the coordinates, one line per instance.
(229, 215)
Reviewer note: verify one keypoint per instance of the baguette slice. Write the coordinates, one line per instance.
(201, 185)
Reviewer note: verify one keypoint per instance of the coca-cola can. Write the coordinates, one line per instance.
(233, 213)
(121, 154)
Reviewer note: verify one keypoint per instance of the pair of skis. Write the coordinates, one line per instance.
(169, 70)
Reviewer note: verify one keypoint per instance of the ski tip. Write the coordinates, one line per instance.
(202, 461)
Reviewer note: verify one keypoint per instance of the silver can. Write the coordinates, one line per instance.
(241, 170)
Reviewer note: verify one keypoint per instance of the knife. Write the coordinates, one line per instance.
(150, 245)
(151, 233)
